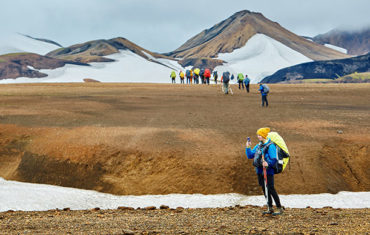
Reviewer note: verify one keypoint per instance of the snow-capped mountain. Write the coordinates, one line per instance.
(246, 42)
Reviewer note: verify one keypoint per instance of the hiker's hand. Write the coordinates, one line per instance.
(265, 164)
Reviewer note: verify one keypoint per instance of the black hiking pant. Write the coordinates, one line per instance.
(264, 100)
(270, 189)
(247, 87)
(241, 83)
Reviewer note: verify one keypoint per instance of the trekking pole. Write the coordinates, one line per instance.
(265, 179)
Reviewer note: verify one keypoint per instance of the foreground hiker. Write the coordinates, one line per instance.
(264, 155)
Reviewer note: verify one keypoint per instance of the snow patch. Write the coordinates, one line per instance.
(260, 57)
(127, 67)
(340, 49)
(30, 197)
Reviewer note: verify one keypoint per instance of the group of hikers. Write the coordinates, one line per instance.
(204, 76)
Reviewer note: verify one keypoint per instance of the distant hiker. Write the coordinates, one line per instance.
(182, 76)
(191, 76)
(187, 74)
(207, 75)
(240, 80)
(173, 76)
(246, 82)
(201, 75)
(264, 155)
(196, 75)
(215, 76)
(225, 82)
(264, 89)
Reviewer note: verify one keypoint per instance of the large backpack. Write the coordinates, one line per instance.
(225, 77)
(207, 73)
(240, 77)
(266, 89)
(281, 151)
(188, 73)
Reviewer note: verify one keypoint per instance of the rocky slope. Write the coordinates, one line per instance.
(321, 69)
(234, 32)
(356, 42)
(27, 65)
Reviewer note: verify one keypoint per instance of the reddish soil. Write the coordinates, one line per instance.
(158, 139)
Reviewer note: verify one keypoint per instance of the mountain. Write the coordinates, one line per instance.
(248, 42)
(16, 43)
(28, 65)
(321, 69)
(234, 32)
(120, 61)
(94, 51)
(356, 42)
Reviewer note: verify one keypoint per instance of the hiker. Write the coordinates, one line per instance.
(264, 155)
(215, 76)
(240, 80)
(225, 82)
(173, 76)
(207, 75)
(246, 82)
(196, 76)
(264, 91)
(191, 76)
(182, 76)
(201, 75)
(187, 74)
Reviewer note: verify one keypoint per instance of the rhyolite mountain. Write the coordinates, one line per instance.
(94, 51)
(331, 69)
(235, 31)
(357, 42)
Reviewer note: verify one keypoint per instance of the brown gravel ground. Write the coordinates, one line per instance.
(232, 220)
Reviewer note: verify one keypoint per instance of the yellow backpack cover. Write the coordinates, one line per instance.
(281, 149)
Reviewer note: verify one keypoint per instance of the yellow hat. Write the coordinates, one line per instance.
(263, 132)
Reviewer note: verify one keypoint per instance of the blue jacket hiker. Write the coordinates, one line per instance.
(264, 91)
(267, 149)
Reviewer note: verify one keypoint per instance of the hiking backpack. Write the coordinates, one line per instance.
(282, 153)
(226, 77)
(188, 73)
(266, 89)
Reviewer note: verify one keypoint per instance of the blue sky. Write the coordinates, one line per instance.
(164, 25)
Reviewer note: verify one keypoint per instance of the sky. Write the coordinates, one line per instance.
(164, 25)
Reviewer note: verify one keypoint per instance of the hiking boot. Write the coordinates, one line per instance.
(279, 211)
(269, 211)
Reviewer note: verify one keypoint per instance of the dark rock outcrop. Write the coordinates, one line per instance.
(321, 69)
